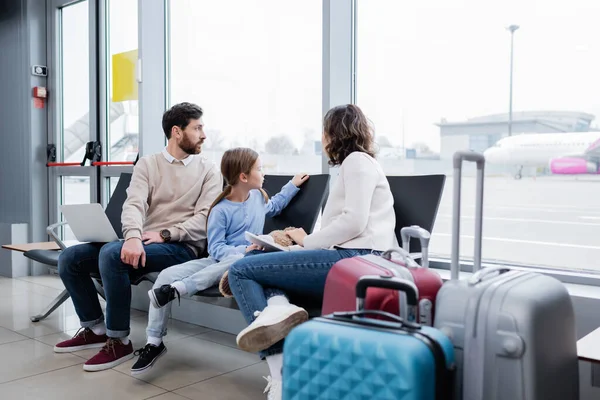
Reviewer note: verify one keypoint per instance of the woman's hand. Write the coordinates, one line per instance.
(299, 179)
(297, 235)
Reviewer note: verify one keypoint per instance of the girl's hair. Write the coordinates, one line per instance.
(235, 162)
(348, 130)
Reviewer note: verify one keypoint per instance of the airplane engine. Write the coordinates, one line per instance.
(573, 166)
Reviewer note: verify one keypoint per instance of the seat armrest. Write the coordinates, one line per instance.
(52, 231)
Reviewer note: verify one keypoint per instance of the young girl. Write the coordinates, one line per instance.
(241, 207)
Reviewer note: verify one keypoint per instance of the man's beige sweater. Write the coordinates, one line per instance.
(173, 196)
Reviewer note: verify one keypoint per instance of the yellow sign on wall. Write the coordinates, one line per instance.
(124, 84)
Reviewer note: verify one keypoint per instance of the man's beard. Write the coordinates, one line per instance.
(190, 148)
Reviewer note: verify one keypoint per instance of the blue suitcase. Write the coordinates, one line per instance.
(347, 355)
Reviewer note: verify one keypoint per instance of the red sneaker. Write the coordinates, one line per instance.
(85, 338)
(112, 354)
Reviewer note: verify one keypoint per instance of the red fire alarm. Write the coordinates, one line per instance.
(39, 94)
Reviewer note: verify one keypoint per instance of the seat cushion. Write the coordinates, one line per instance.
(48, 257)
(210, 292)
(136, 278)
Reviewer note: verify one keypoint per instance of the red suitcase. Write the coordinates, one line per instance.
(340, 286)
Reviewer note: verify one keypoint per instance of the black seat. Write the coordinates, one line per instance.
(416, 202)
(302, 212)
(50, 257)
(47, 257)
(114, 208)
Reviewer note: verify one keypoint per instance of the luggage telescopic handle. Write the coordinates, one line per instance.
(484, 274)
(402, 253)
(362, 313)
(471, 156)
(479, 159)
(423, 235)
(386, 282)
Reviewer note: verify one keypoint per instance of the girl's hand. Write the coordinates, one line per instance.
(297, 235)
(299, 179)
(253, 247)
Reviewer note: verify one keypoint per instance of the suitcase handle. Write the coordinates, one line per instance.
(487, 273)
(479, 159)
(471, 156)
(405, 255)
(423, 235)
(385, 282)
(362, 313)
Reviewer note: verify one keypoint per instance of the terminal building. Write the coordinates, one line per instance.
(480, 133)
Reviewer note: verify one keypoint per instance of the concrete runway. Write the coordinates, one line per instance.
(550, 221)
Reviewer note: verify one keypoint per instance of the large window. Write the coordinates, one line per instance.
(74, 190)
(434, 77)
(123, 131)
(72, 131)
(75, 74)
(255, 68)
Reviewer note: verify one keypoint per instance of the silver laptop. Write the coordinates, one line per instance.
(89, 223)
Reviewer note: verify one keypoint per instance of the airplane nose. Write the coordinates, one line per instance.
(491, 156)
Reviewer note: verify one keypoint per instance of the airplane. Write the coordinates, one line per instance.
(564, 153)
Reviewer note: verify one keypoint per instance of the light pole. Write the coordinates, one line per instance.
(512, 30)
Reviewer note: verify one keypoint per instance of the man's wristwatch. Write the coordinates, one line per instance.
(165, 234)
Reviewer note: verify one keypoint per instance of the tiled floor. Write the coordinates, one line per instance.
(200, 363)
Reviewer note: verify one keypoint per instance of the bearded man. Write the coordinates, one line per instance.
(164, 224)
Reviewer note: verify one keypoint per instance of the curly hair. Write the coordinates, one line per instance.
(348, 130)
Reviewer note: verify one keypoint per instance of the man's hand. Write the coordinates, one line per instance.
(253, 247)
(133, 253)
(297, 235)
(152, 237)
(299, 179)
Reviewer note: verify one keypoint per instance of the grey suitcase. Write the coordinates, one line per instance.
(513, 332)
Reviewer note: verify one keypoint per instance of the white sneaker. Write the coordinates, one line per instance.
(274, 388)
(273, 324)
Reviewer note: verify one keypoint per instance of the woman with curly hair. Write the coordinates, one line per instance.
(358, 219)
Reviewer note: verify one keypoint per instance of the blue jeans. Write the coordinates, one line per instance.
(76, 263)
(296, 273)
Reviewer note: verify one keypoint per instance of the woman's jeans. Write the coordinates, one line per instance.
(300, 273)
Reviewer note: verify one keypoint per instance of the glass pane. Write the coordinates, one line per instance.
(74, 190)
(75, 70)
(255, 68)
(122, 105)
(435, 77)
(112, 185)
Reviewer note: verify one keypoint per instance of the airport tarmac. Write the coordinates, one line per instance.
(551, 221)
